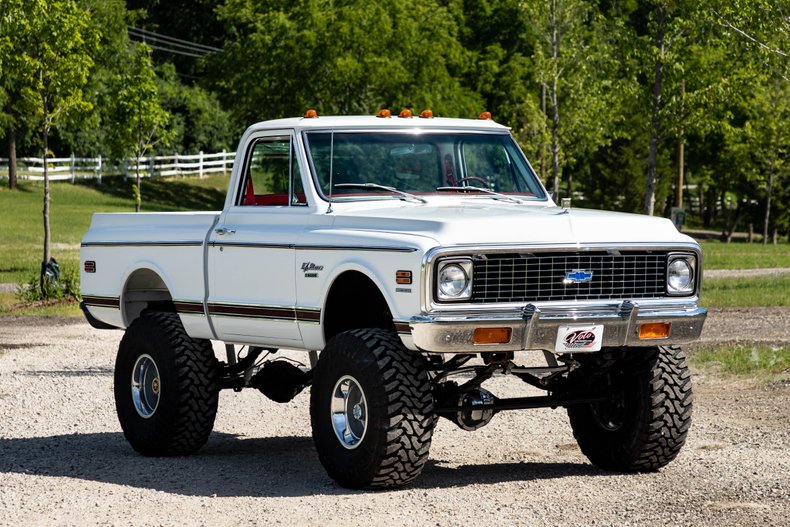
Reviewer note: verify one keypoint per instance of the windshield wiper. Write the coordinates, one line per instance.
(402, 195)
(494, 195)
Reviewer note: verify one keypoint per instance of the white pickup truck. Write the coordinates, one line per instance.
(412, 259)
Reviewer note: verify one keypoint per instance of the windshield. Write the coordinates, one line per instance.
(353, 165)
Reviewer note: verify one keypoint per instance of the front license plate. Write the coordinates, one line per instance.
(579, 339)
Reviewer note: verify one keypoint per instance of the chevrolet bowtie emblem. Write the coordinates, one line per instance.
(578, 276)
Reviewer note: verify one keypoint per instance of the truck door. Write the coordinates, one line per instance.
(251, 251)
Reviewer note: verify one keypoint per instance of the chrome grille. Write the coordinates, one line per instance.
(534, 277)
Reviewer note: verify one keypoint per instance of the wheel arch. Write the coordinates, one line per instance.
(144, 287)
(355, 300)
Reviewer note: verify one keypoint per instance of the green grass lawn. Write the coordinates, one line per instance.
(742, 255)
(760, 361)
(766, 291)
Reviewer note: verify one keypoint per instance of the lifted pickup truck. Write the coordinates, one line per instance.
(421, 257)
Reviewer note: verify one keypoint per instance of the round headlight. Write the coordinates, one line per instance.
(453, 280)
(679, 276)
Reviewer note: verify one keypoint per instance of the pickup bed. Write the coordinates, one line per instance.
(412, 259)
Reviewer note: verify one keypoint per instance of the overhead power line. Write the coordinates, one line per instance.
(173, 39)
(177, 52)
(169, 44)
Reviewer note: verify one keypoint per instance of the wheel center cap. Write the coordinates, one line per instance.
(357, 411)
(155, 385)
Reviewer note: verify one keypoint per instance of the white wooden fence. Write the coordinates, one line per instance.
(71, 168)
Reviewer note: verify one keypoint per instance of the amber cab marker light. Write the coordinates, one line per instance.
(384, 113)
(426, 114)
(311, 114)
(492, 335)
(657, 330)
(486, 116)
(405, 113)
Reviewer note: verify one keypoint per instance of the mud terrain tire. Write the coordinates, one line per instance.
(645, 425)
(171, 412)
(371, 408)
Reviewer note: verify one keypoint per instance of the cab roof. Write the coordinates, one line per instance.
(369, 122)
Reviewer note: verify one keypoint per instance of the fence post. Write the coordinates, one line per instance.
(178, 168)
(72, 162)
(200, 165)
(98, 168)
(151, 167)
(224, 166)
(125, 168)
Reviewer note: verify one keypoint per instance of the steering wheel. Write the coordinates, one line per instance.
(474, 178)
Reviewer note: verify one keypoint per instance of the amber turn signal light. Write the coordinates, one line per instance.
(405, 113)
(426, 114)
(492, 335)
(656, 330)
(486, 116)
(384, 113)
(311, 114)
(403, 277)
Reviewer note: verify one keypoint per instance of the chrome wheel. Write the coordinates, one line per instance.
(349, 412)
(146, 386)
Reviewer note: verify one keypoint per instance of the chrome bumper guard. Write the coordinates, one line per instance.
(534, 328)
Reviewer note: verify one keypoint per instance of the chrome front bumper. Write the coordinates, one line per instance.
(536, 328)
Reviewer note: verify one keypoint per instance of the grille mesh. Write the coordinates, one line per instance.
(533, 277)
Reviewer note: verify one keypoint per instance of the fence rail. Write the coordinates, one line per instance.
(72, 168)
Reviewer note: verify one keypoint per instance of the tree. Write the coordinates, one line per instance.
(140, 122)
(571, 62)
(341, 57)
(88, 133)
(14, 108)
(198, 122)
(52, 44)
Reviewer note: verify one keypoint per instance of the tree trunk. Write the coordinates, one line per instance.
(703, 209)
(731, 220)
(681, 150)
(555, 146)
(652, 158)
(47, 232)
(543, 146)
(767, 219)
(12, 158)
(138, 198)
(555, 108)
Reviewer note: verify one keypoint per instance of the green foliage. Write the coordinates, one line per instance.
(760, 360)
(50, 56)
(341, 58)
(89, 134)
(198, 122)
(140, 121)
(65, 287)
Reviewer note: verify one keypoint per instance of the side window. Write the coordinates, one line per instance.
(268, 172)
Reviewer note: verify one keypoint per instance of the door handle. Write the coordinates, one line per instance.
(222, 231)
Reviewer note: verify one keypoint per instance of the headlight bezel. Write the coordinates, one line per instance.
(690, 260)
(465, 265)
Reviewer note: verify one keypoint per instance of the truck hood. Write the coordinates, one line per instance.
(490, 222)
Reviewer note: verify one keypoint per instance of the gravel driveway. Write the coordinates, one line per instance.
(64, 461)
